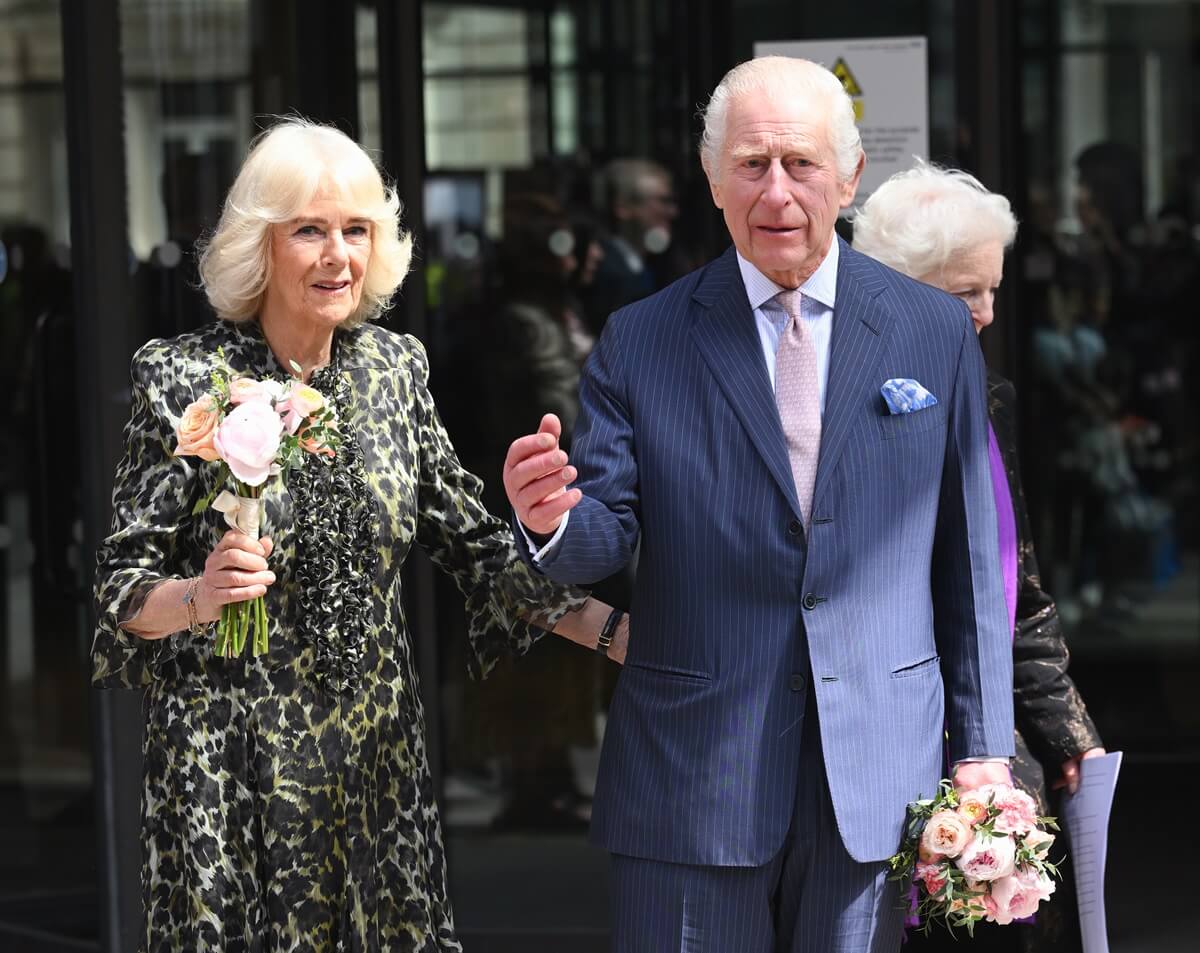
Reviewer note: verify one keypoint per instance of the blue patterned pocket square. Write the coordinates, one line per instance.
(903, 396)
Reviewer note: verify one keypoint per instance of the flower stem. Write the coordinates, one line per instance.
(261, 634)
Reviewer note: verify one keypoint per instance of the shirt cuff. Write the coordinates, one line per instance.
(983, 760)
(551, 546)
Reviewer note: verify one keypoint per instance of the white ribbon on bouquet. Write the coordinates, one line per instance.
(243, 513)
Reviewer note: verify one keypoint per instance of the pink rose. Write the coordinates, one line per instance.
(196, 428)
(946, 833)
(1040, 883)
(933, 876)
(244, 389)
(988, 858)
(248, 440)
(1017, 896)
(1018, 811)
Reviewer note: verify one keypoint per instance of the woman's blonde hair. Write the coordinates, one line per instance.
(286, 167)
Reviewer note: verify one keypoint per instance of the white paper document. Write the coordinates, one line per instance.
(1085, 816)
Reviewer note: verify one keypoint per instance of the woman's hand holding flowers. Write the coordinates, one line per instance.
(235, 571)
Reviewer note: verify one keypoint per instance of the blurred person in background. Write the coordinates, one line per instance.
(535, 344)
(641, 209)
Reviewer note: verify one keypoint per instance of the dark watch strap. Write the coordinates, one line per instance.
(606, 633)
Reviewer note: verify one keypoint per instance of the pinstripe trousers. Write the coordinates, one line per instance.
(813, 897)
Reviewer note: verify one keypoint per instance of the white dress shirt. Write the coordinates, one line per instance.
(818, 296)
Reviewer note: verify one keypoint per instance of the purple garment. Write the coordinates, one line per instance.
(1007, 525)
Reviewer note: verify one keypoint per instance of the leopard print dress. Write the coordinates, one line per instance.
(288, 803)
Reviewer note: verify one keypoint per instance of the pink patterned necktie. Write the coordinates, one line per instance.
(797, 392)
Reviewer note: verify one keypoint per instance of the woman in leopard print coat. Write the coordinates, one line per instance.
(288, 803)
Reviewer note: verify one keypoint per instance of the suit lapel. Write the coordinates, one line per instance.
(860, 323)
(727, 338)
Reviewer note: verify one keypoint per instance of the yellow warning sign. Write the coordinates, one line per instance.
(850, 85)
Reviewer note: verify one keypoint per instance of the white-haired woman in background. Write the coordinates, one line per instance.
(941, 226)
(287, 802)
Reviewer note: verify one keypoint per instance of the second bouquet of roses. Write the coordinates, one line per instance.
(977, 854)
(253, 430)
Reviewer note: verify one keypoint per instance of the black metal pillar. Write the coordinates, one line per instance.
(100, 275)
(402, 132)
(988, 83)
(304, 56)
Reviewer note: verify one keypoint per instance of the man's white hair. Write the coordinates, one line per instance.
(921, 218)
(784, 77)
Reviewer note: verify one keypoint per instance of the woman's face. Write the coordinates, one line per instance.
(318, 261)
(973, 275)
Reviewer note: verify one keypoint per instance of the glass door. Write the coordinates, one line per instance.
(47, 825)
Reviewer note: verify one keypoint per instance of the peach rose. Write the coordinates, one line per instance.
(300, 403)
(305, 400)
(972, 807)
(243, 389)
(946, 834)
(974, 905)
(988, 858)
(314, 444)
(196, 429)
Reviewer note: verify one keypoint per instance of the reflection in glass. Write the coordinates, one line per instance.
(47, 882)
(1111, 268)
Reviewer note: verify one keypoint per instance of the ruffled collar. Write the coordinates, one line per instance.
(336, 520)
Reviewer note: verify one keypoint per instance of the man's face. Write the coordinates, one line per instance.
(653, 208)
(778, 184)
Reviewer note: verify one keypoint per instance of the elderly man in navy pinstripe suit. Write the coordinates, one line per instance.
(819, 592)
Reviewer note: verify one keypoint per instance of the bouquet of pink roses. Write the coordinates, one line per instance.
(974, 855)
(255, 430)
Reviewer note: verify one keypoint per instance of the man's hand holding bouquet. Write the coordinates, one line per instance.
(972, 854)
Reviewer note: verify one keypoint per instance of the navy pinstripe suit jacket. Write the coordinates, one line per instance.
(892, 611)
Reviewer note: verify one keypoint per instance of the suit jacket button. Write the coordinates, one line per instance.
(797, 683)
(810, 601)
(794, 528)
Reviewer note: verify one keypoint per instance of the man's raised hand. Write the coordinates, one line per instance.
(536, 475)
